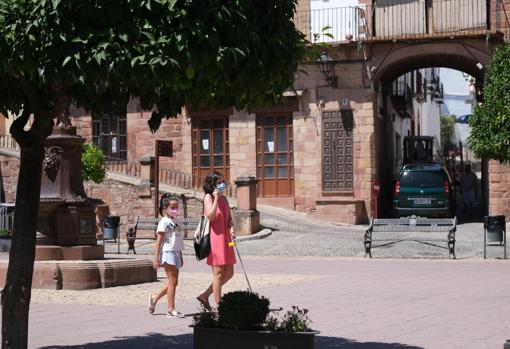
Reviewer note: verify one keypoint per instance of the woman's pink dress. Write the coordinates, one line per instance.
(221, 252)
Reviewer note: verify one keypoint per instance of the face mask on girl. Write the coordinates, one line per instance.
(222, 187)
(174, 212)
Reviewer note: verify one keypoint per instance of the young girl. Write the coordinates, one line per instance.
(168, 255)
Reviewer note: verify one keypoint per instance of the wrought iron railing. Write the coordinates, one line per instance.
(123, 167)
(404, 19)
(187, 181)
(6, 219)
(176, 178)
(8, 142)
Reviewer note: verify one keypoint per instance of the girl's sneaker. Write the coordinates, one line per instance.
(174, 313)
(152, 304)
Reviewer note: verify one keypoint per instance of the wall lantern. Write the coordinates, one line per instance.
(327, 67)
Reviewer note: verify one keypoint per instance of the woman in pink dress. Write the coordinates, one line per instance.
(221, 258)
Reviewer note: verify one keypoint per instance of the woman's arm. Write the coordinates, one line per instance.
(211, 205)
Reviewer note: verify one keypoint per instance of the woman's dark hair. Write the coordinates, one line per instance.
(165, 200)
(210, 182)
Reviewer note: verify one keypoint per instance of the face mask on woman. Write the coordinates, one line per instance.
(221, 187)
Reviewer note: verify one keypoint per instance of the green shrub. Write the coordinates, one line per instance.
(242, 310)
(92, 163)
(205, 319)
(5, 232)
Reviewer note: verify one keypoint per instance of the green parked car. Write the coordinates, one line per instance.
(424, 190)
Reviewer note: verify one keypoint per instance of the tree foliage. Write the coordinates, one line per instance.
(490, 124)
(92, 163)
(447, 124)
(168, 53)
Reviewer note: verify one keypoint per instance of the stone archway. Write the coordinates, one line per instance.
(389, 60)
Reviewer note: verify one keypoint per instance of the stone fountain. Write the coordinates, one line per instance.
(67, 253)
(66, 222)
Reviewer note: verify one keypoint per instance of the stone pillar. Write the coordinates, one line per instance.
(146, 175)
(147, 169)
(246, 218)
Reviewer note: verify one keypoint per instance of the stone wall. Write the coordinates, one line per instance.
(129, 197)
(348, 207)
(499, 189)
(9, 170)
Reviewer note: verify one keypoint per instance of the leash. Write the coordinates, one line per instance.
(232, 243)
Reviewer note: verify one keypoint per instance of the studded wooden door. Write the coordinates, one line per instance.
(337, 166)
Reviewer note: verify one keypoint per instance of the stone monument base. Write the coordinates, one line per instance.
(246, 222)
(51, 252)
(83, 275)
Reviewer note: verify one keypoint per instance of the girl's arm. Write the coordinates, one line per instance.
(211, 205)
(157, 249)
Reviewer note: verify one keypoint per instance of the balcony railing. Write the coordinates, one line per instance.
(405, 19)
(8, 142)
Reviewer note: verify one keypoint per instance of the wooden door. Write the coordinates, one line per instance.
(210, 148)
(275, 155)
(337, 166)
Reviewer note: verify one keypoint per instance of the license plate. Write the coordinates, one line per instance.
(422, 201)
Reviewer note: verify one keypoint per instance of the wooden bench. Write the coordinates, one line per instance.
(145, 229)
(429, 231)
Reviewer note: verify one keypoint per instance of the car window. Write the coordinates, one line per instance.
(422, 179)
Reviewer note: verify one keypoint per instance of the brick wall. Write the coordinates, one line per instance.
(499, 188)
(140, 139)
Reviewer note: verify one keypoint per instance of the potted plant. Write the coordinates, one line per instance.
(244, 320)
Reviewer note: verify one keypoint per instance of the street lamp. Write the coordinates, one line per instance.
(327, 68)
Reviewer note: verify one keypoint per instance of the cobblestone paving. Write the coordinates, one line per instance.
(293, 234)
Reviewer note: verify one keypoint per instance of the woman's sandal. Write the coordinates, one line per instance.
(205, 304)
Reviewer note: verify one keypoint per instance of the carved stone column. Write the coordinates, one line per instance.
(246, 218)
(66, 222)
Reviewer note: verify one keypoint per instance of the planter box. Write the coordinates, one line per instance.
(219, 338)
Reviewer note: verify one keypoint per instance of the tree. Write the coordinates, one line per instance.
(447, 124)
(99, 54)
(490, 123)
(92, 163)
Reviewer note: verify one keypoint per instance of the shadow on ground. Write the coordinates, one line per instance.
(185, 341)
(322, 342)
(151, 340)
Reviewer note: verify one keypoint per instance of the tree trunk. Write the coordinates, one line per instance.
(18, 285)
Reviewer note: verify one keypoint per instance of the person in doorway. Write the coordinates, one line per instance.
(168, 254)
(469, 189)
(222, 258)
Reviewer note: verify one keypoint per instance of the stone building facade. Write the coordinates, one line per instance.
(320, 150)
(292, 167)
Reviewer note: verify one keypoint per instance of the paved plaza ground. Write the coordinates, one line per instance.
(409, 296)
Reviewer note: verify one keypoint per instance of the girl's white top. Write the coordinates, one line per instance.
(173, 239)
